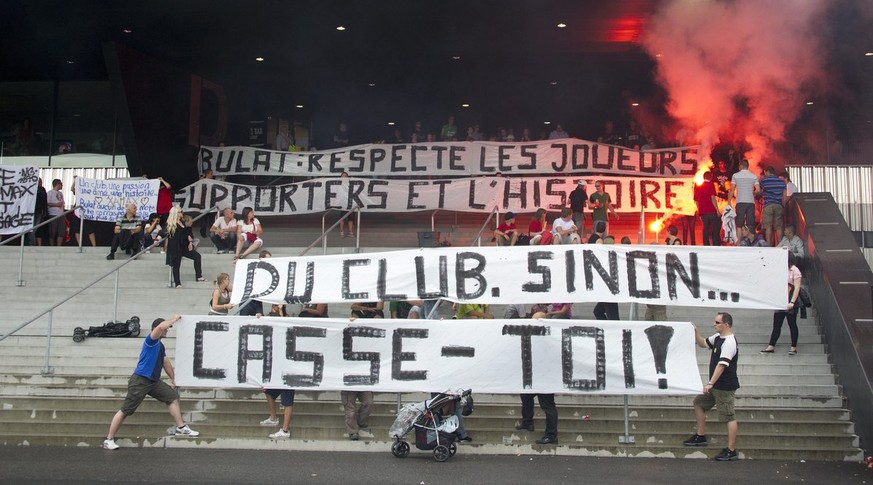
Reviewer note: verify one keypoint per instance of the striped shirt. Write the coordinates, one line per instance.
(773, 187)
(745, 182)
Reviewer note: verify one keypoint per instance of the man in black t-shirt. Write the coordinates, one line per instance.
(578, 201)
(722, 385)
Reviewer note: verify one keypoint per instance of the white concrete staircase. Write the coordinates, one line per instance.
(789, 407)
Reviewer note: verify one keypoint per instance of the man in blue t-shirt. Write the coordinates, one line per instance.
(146, 381)
(773, 188)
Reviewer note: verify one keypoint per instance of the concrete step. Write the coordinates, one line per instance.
(385, 409)
(759, 396)
(367, 444)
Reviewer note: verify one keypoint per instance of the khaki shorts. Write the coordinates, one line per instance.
(771, 216)
(723, 400)
(138, 387)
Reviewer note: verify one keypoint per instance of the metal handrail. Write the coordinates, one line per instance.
(323, 236)
(433, 220)
(22, 234)
(20, 282)
(478, 239)
(89, 285)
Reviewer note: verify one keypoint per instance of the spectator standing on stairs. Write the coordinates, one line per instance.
(723, 383)
(146, 381)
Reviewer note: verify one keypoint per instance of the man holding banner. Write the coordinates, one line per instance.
(722, 385)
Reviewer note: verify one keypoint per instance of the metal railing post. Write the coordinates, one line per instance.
(324, 233)
(21, 281)
(82, 230)
(627, 439)
(641, 237)
(46, 368)
(358, 230)
(115, 298)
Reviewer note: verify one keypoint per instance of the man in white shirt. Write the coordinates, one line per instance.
(564, 230)
(744, 186)
(223, 232)
(57, 229)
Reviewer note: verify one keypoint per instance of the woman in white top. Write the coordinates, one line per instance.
(250, 231)
(794, 279)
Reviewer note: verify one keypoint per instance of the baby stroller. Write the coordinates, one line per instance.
(434, 422)
(129, 328)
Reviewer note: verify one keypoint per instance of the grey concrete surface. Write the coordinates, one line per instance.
(88, 465)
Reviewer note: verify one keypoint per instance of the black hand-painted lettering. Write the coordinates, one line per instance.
(599, 381)
(590, 262)
(245, 355)
(292, 354)
(627, 358)
(346, 278)
(290, 294)
(659, 338)
(475, 273)
(349, 354)
(443, 279)
(398, 356)
(199, 371)
(632, 276)
(676, 268)
(251, 268)
(545, 284)
(382, 284)
(525, 332)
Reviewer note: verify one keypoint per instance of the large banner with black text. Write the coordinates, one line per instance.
(480, 194)
(18, 186)
(549, 157)
(703, 276)
(491, 356)
(105, 200)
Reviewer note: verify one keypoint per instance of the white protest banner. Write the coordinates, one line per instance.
(492, 356)
(105, 200)
(551, 157)
(726, 278)
(481, 194)
(18, 186)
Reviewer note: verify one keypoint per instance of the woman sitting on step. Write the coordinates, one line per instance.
(220, 303)
(250, 232)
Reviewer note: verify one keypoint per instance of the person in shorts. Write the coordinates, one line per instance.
(146, 381)
(286, 397)
(722, 386)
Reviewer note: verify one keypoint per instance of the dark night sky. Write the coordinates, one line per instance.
(510, 54)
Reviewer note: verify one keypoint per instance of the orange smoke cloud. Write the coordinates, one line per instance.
(741, 68)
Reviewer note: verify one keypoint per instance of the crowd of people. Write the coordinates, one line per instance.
(631, 136)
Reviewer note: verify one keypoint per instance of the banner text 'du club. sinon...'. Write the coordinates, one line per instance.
(719, 277)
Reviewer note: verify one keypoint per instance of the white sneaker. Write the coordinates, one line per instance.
(270, 422)
(110, 445)
(280, 434)
(184, 430)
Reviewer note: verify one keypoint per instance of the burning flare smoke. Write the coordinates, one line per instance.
(739, 69)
